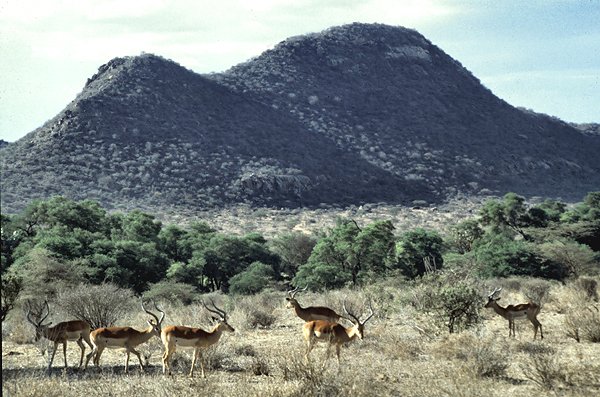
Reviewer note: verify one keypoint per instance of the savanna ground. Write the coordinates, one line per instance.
(407, 351)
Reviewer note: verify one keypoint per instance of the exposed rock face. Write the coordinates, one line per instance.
(355, 114)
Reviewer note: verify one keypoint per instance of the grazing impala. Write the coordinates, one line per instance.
(196, 338)
(524, 310)
(74, 330)
(334, 334)
(124, 338)
(311, 313)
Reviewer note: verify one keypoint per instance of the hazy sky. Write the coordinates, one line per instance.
(543, 55)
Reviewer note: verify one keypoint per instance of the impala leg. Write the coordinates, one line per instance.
(337, 351)
(194, 357)
(139, 358)
(52, 357)
(98, 354)
(536, 325)
(127, 362)
(309, 347)
(169, 350)
(327, 354)
(82, 347)
(65, 353)
(89, 357)
(201, 363)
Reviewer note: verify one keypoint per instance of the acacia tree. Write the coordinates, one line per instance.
(294, 249)
(510, 213)
(348, 253)
(419, 251)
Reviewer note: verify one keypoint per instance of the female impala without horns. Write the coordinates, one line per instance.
(524, 310)
(124, 338)
(74, 330)
(311, 313)
(333, 334)
(196, 338)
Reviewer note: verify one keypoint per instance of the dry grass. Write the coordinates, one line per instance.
(400, 355)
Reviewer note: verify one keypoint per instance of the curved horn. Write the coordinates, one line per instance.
(292, 292)
(162, 317)
(28, 315)
(47, 312)
(150, 313)
(217, 311)
(370, 315)
(350, 314)
(494, 292)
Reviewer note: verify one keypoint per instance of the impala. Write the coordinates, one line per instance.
(524, 310)
(196, 338)
(74, 330)
(334, 334)
(311, 313)
(124, 338)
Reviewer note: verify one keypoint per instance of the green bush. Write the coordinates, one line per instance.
(171, 291)
(254, 279)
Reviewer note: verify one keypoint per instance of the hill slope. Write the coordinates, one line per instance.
(354, 114)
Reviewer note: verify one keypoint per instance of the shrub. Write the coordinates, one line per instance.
(536, 290)
(99, 305)
(254, 279)
(589, 286)
(256, 311)
(171, 291)
(544, 370)
(11, 288)
(583, 322)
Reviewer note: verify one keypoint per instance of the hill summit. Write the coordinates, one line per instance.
(354, 114)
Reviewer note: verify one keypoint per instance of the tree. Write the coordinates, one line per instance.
(577, 258)
(225, 256)
(418, 252)
(254, 279)
(373, 249)
(499, 255)
(510, 213)
(464, 234)
(321, 276)
(11, 288)
(349, 251)
(294, 249)
(44, 275)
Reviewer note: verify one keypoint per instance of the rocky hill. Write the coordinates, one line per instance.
(355, 114)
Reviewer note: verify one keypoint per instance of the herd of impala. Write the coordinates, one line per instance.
(322, 324)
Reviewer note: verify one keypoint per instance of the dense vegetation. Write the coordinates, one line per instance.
(60, 243)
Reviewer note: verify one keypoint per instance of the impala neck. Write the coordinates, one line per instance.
(147, 334)
(498, 309)
(215, 333)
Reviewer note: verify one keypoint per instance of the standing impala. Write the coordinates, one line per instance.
(124, 338)
(311, 313)
(334, 334)
(196, 338)
(524, 310)
(74, 330)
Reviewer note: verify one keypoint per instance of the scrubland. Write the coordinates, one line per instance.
(407, 351)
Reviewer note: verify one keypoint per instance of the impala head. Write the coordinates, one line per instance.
(359, 327)
(492, 297)
(291, 296)
(156, 324)
(40, 328)
(221, 318)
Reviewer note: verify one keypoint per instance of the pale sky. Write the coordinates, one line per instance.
(539, 54)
